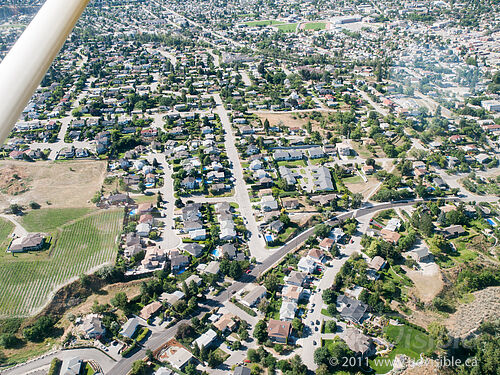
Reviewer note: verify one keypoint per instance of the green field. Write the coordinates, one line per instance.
(6, 228)
(315, 26)
(352, 180)
(49, 219)
(28, 279)
(292, 163)
(408, 341)
(287, 27)
(261, 23)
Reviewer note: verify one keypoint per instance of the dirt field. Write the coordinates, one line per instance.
(284, 119)
(428, 282)
(131, 289)
(62, 184)
(363, 188)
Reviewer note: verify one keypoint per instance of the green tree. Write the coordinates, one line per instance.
(260, 331)
(322, 230)
(439, 333)
(120, 300)
(139, 368)
(272, 283)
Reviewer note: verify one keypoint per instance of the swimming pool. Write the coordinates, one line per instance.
(269, 238)
(215, 252)
(133, 212)
(491, 222)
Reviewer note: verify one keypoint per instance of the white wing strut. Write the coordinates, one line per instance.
(25, 65)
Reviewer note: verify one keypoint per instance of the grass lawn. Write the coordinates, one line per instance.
(287, 27)
(222, 354)
(49, 219)
(262, 23)
(273, 310)
(283, 237)
(292, 163)
(352, 180)
(326, 313)
(6, 228)
(88, 370)
(408, 341)
(27, 279)
(315, 26)
(145, 198)
(319, 161)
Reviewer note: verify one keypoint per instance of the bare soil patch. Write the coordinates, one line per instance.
(106, 294)
(14, 180)
(364, 188)
(428, 282)
(284, 119)
(54, 184)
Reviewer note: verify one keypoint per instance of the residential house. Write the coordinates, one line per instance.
(171, 298)
(351, 309)
(296, 278)
(193, 279)
(317, 255)
(178, 261)
(326, 244)
(254, 296)
(205, 340)
(344, 149)
(287, 175)
(292, 293)
(189, 183)
(306, 265)
(212, 268)
(29, 242)
(322, 179)
(287, 310)
(227, 250)
(390, 236)
(268, 203)
(315, 153)
(226, 323)
(73, 367)
(149, 310)
(240, 370)
(92, 326)
(453, 231)
(421, 254)
(154, 258)
(290, 204)
(198, 234)
(194, 249)
(337, 234)
(180, 358)
(143, 229)
(359, 343)
(279, 331)
(129, 328)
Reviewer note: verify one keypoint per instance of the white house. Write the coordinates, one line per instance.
(306, 265)
(143, 229)
(268, 203)
(129, 328)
